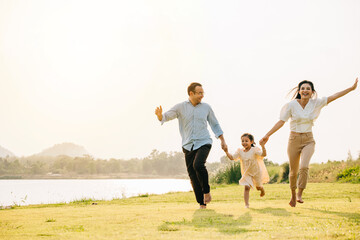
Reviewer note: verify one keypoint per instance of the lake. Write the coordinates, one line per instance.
(26, 192)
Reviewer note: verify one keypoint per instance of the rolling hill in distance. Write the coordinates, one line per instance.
(68, 149)
(5, 153)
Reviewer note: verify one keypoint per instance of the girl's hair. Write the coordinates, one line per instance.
(297, 89)
(251, 137)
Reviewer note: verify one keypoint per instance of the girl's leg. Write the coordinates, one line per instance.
(306, 155)
(257, 179)
(262, 191)
(246, 196)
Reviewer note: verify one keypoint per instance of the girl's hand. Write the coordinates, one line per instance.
(229, 156)
(224, 147)
(264, 140)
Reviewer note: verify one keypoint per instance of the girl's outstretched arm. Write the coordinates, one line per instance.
(263, 150)
(342, 93)
(229, 155)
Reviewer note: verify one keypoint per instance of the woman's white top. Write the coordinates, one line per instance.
(302, 119)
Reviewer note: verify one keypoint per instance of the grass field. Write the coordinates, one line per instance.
(330, 211)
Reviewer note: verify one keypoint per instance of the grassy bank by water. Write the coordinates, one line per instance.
(330, 211)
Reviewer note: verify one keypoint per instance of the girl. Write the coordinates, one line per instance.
(253, 169)
(303, 111)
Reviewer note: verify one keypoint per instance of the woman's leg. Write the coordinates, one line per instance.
(294, 151)
(292, 202)
(306, 155)
(246, 196)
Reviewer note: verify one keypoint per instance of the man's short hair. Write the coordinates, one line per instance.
(192, 87)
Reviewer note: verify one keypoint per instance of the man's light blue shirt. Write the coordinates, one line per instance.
(193, 123)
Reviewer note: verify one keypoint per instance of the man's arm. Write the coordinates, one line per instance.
(215, 127)
(167, 116)
(223, 143)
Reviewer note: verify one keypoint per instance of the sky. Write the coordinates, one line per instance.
(93, 72)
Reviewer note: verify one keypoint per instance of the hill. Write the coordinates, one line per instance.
(5, 153)
(68, 149)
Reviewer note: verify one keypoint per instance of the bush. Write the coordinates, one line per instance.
(231, 174)
(274, 173)
(274, 178)
(285, 173)
(349, 175)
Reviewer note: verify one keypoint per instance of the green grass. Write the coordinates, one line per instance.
(330, 211)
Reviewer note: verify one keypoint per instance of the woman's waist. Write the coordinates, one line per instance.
(300, 133)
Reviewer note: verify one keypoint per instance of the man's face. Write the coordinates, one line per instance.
(197, 95)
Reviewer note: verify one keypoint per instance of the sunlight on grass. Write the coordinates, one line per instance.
(330, 211)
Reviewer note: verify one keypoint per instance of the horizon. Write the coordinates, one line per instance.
(41, 153)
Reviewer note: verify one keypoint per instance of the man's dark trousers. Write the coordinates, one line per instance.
(195, 164)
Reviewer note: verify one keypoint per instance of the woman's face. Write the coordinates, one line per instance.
(305, 91)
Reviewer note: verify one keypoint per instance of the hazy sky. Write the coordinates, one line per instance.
(93, 72)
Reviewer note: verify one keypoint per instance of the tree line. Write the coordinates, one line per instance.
(156, 164)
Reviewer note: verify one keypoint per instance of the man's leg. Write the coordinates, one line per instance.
(189, 159)
(201, 171)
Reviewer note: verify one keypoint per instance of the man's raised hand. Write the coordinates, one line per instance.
(158, 113)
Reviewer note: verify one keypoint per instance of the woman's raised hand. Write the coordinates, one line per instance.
(355, 84)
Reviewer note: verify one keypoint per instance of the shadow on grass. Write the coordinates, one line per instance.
(208, 218)
(281, 212)
(351, 216)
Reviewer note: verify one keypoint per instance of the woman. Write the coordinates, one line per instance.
(303, 111)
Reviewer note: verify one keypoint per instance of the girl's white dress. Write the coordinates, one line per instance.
(253, 169)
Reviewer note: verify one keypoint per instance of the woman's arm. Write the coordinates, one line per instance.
(342, 93)
(276, 127)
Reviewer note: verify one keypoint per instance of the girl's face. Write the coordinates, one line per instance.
(246, 142)
(305, 91)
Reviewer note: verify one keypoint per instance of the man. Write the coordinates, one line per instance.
(193, 116)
